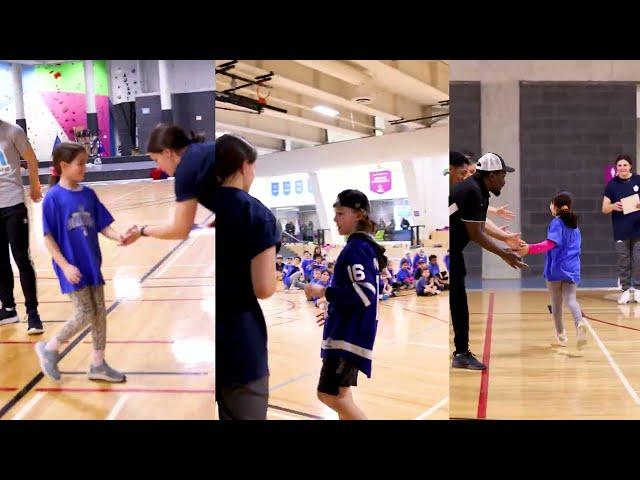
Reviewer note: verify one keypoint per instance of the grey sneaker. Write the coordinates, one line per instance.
(106, 373)
(48, 361)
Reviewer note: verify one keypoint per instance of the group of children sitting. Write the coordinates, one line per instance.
(420, 273)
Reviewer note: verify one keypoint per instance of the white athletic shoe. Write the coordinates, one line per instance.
(632, 295)
(582, 334)
(562, 339)
(625, 297)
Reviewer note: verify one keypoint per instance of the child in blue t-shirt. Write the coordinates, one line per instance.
(317, 274)
(385, 288)
(288, 280)
(72, 217)
(305, 263)
(441, 279)
(426, 286)
(405, 280)
(562, 266)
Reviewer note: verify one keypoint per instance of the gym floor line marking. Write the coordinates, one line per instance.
(142, 373)
(433, 409)
(612, 324)
(414, 311)
(296, 412)
(117, 408)
(126, 389)
(39, 376)
(486, 358)
(287, 382)
(140, 342)
(614, 365)
(30, 404)
(8, 389)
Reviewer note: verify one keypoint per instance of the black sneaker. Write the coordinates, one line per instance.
(467, 360)
(8, 315)
(35, 325)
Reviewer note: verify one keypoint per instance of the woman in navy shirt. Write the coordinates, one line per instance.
(626, 228)
(247, 239)
(191, 161)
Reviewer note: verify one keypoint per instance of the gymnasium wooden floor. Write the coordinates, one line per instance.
(410, 377)
(529, 378)
(159, 296)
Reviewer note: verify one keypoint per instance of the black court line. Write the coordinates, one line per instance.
(296, 412)
(39, 376)
(144, 373)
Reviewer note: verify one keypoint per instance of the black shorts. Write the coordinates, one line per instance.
(336, 373)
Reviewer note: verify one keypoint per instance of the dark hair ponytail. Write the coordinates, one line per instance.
(231, 153)
(170, 136)
(563, 202)
(65, 152)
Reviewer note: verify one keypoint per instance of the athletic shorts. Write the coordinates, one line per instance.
(336, 373)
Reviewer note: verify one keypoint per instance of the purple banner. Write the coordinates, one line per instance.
(380, 182)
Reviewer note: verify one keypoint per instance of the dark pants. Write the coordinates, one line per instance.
(243, 401)
(14, 232)
(458, 303)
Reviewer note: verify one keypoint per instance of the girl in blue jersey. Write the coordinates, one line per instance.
(352, 297)
(562, 267)
(72, 217)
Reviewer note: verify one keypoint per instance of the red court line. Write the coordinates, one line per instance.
(8, 389)
(26, 342)
(126, 390)
(610, 323)
(486, 357)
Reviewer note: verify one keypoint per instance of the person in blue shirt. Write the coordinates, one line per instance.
(441, 279)
(626, 227)
(72, 217)
(352, 306)
(404, 278)
(306, 262)
(446, 261)
(425, 286)
(562, 266)
(419, 256)
(191, 160)
(247, 239)
(293, 274)
(316, 280)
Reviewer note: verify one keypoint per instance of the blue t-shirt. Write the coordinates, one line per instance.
(446, 261)
(624, 226)
(286, 279)
(74, 219)
(244, 229)
(305, 263)
(194, 177)
(421, 284)
(434, 269)
(417, 259)
(403, 275)
(563, 261)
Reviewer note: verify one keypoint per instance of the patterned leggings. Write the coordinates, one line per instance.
(89, 307)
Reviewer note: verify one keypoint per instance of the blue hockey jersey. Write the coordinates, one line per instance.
(351, 323)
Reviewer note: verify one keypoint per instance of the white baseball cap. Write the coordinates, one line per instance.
(492, 162)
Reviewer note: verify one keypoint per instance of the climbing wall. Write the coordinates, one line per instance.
(54, 102)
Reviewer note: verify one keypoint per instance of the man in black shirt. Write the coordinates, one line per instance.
(468, 204)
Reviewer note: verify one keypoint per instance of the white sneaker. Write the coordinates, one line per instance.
(632, 295)
(625, 297)
(582, 334)
(562, 339)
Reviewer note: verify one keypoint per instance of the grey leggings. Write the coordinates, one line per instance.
(564, 291)
(88, 306)
(295, 279)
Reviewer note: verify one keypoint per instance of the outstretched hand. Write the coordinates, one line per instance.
(502, 212)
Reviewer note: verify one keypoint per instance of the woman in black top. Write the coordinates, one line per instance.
(247, 239)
